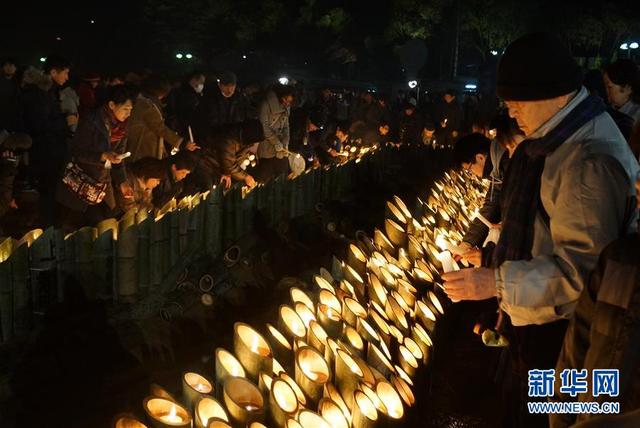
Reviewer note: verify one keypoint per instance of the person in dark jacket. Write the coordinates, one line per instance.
(43, 119)
(183, 101)
(86, 91)
(179, 166)
(237, 149)
(448, 117)
(143, 176)
(9, 96)
(603, 333)
(330, 147)
(98, 148)
(221, 105)
(410, 125)
(11, 144)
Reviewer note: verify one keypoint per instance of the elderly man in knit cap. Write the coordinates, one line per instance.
(567, 194)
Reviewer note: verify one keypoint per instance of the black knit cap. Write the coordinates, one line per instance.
(537, 66)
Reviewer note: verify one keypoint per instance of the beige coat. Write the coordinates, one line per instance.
(585, 189)
(148, 131)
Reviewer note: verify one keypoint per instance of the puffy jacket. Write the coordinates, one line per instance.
(275, 122)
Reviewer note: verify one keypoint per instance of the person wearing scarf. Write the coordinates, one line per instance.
(97, 148)
(567, 193)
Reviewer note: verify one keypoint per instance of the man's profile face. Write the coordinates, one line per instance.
(60, 77)
(227, 90)
(477, 167)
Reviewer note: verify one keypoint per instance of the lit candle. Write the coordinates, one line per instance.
(172, 417)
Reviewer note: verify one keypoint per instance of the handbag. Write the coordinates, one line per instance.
(85, 187)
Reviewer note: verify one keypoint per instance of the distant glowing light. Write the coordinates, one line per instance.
(244, 57)
(494, 52)
(412, 83)
(43, 59)
(189, 56)
(179, 56)
(471, 86)
(58, 38)
(633, 45)
(283, 80)
(624, 46)
(92, 21)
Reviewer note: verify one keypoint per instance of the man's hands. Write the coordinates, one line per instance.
(225, 180)
(470, 284)
(126, 190)
(113, 157)
(250, 181)
(191, 146)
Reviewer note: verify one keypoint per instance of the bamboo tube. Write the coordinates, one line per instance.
(243, 401)
(194, 387)
(305, 314)
(323, 284)
(309, 419)
(213, 222)
(165, 414)
(347, 288)
(283, 403)
(356, 281)
(217, 423)
(290, 323)
(395, 213)
(226, 366)
(144, 254)
(252, 350)
(331, 392)
(402, 206)
(352, 311)
(20, 295)
(414, 348)
(332, 413)
(382, 242)
(377, 291)
(367, 332)
(317, 337)
(365, 414)
(297, 295)
(311, 372)
(425, 315)
(157, 391)
(408, 362)
(403, 260)
(393, 408)
(127, 251)
(422, 338)
(329, 319)
(127, 421)
(6, 291)
(280, 346)
(208, 408)
(435, 302)
(404, 390)
(396, 233)
(396, 314)
(357, 260)
(348, 375)
(296, 388)
(377, 359)
(353, 341)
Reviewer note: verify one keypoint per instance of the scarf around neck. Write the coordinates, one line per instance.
(117, 129)
(520, 198)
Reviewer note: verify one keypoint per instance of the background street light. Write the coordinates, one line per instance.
(633, 45)
(412, 83)
(189, 56)
(179, 56)
(283, 80)
(493, 52)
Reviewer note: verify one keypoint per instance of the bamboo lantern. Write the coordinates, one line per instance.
(209, 408)
(436, 303)
(382, 327)
(292, 423)
(403, 375)
(387, 278)
(257, 425)
(395, 213)
(352, 311)
(317, 337)
(382, 242)
(331, 392)
(297, 295)
(396, 233)
(425, 315)
(347, 288)
(226, 366)
(403, 259)
(279, 344)
(396, 314)
(165, 414)
(302, 399)
(323, 284)
(393, 408)
(265, 382)
(252, 350)
(356, 281)
(365, 414)
(402, 206)
(371, 395)
(408, 362)
(277, 368)
(403, 304)
(377, 292)
(283, 403)
(291, 324)
(353, 341)
(348, 374)
(421, 337)
(328, 316)
(309, 419)
(332, 413)
(331, 350)
(364, 242)
(243, 401)
(311, 372)
(194, 386)
(305, 314)
(377, 359)
(357, 260)
(336, 271)
(127, 263)
(407, 292)
(404, 390)
(367, 332)
(327, 275)
(127, 421)
(158, 391)
(414, 348)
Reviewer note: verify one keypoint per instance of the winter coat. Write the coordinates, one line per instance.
(604, 332)
(216, 111)
(231, 153)
(181, 108)
(168, 189)
(498, 160)
(148, 132)
(90, 141)
(142, 196)
(410, 128)
(87, 95)
(275, 122)
(586, 187)
(9, 103)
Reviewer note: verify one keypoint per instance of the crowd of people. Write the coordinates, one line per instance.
(95, 147)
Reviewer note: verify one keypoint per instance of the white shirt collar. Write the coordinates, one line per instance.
(559, 116)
